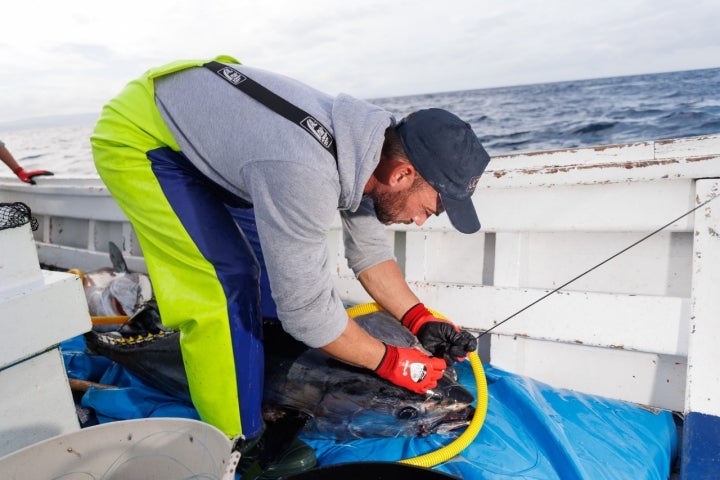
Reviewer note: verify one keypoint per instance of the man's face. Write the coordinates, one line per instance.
(413, 205)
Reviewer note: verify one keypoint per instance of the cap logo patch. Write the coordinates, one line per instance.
(473, 183)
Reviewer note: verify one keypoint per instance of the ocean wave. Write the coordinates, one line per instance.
(594, 127)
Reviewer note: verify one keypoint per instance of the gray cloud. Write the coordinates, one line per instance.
(78, 59)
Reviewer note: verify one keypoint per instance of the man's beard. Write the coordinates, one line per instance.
(390, 205)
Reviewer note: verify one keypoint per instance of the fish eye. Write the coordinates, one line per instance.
(407, 413)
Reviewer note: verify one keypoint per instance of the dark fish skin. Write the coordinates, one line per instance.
(146, 348)
(340, 401)
(345, 402)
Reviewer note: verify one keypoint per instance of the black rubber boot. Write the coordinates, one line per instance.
(277, 452)
(297, 458)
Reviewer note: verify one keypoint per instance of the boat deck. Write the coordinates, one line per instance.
(643, 323)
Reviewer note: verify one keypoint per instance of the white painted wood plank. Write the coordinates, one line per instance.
(659, 265)
(85, 198)
(61, 256)
(509, 259)
(19, 268)
(41, 317)
(580, 165)
(691, 149)
(631, 322)
(592, 208)
(444, 257)
(643, 323)
(41, 405)
(640, 162)
(645, 378)
(703, 383)
(613, 207)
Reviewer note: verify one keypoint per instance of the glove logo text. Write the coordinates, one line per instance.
(416, 371)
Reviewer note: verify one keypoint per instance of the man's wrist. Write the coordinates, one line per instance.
(416, 317)
(379, 369)
(411, 310)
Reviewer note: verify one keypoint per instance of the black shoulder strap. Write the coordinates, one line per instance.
(277, 104)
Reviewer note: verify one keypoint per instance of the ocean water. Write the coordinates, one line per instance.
(507, 119)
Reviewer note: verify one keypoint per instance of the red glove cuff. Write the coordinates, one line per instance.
(416, 317)
(384, 368)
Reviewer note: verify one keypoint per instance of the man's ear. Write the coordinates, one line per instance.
(402, 175)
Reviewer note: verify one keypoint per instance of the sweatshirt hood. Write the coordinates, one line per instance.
(359, 129)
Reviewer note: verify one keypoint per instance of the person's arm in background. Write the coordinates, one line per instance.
(20, 172)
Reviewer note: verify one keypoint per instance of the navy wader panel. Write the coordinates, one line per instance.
(201, 206)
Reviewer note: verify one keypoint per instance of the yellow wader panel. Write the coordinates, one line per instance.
(189, 294)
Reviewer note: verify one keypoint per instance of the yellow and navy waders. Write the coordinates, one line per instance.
(204, 271)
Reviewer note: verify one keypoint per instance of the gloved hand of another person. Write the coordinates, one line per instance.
(440, 337)
(410, 368)
(27, 177)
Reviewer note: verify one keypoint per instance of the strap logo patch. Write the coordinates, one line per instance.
(232, 75)
(318, 131)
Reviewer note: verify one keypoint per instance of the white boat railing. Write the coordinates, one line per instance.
(641, 327)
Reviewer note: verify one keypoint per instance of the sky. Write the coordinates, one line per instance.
(70, 57)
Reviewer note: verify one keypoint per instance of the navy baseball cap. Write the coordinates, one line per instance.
(448, 155)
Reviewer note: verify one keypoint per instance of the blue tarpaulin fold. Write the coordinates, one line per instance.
(531, 430)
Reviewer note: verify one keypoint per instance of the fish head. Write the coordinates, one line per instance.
(99, 278)
(347, 403)
(448, 407)
(394, 411)
(115, 291)
(119, 294)
(128, 291)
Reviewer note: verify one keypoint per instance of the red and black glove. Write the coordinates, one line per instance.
(27, 177)
(440, 337)
(410, 368)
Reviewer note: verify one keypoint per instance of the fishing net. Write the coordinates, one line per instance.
(16, 214)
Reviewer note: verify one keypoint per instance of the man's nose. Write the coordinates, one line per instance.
(420, 219)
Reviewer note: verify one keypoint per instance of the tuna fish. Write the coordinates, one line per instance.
(346, 402)
(115, 291)
(340, 401)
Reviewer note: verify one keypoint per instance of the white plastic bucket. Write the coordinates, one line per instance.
(153, 448)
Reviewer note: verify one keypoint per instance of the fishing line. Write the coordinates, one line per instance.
(599, 265)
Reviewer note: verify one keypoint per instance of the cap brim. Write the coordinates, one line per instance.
(462, 214)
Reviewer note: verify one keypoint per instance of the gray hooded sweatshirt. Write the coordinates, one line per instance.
(294, 184)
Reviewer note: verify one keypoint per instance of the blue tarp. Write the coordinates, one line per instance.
(531, 431)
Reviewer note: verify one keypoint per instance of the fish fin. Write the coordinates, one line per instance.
(117, 259)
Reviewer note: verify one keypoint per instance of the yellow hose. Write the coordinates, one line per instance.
(79, 273)
(459, 444)
(109, 319)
